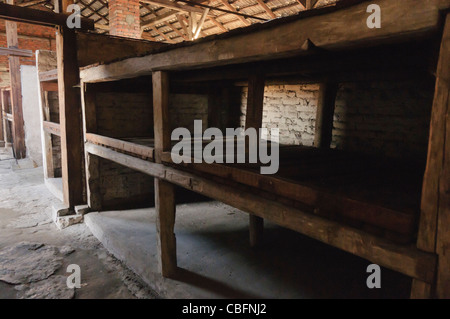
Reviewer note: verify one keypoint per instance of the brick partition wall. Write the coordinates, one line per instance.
(382, 118)
(124, 19)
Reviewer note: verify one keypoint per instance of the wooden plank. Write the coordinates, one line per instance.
(321, 200)
(165, 224)
(173, 5)
(326, 28)
(325, 114)
(49, 86)
(164, 192)
(161, 113)
(120, 145)
(6, 132)
(47, 145)
(233, 9)
(40, 17)
(420, 290)
(253, 119)
(70, 117)
(404, 259)
(442, 107)
(435, 162)
(100, 48)
(52, 128)
(18, 135)
(92, 163)
(51, 75)
(266, 8)
(16, 52)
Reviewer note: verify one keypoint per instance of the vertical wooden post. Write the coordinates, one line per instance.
(49, 171)
(325, 114)
(16, 90)
(69, 116)
(253, 118)
(6, 131)
(164, 191)
(92, 163)
(434, 226)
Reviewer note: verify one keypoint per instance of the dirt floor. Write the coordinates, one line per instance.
(34, 254)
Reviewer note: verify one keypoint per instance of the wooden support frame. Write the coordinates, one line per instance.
(6, 117)
(404, 259)
(92, 162)
(164, 191)
(434, 227)
(253, 119)
(18, 135)
(70, 117)
(45, 18)
(325, 113)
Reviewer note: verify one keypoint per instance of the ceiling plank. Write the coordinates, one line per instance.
(176, 30)
(173, 5)
(231, 8)
(217, 23)
(159, 19)
(162, 34)
(266, 8)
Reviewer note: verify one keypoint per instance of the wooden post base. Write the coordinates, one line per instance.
(165, 224)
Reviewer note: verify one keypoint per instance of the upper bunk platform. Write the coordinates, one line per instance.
(335, 28)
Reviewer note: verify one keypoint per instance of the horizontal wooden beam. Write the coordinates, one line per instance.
(51, 75)
(173, 5)
(46, 18)
(120, 145)
(52, 128)
(16, 52)
(404, 259)
(49, 86)
(325, 28)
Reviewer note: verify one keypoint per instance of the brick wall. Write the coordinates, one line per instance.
(385, 118)
(125, 114)
(31, 37)
(124, 19)
(291, 108)
(185, 108)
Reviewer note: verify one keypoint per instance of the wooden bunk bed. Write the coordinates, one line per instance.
(400, 219)
(60, 176)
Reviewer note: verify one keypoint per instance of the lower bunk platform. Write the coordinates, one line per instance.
(303, 198)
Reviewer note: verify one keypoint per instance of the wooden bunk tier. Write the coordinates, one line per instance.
(332, 29)
(380, 196)
(306, 198)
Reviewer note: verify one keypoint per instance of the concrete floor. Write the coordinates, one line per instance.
(25, 210)
(215, 260)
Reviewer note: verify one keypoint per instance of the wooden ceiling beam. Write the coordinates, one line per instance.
(31, 3)
(39, 17)
(159, 19)
(231, 8)
(173, 5)
(217, 23)
(176, 30)
(162, 34)
(266, 8)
